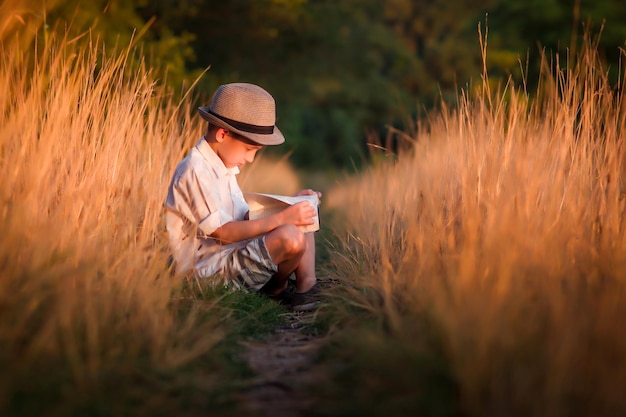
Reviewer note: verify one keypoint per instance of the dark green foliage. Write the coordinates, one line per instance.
(556, 26)
(341, 71)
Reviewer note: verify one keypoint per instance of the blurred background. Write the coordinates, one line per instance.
(486, 277)
(343, 72)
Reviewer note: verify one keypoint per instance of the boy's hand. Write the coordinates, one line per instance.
(300, 214)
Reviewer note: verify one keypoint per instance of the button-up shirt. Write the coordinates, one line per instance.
(203, 196)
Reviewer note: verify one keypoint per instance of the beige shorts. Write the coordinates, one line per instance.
(251, 265)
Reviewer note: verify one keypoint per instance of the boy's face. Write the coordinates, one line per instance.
(236, 153)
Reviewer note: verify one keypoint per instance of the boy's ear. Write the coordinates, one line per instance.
(220, 135)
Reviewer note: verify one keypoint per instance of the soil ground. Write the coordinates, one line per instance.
(285, 368)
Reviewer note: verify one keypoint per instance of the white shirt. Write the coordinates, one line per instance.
(203, 196)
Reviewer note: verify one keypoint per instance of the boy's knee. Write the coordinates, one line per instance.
(291, 239)
(285, 242)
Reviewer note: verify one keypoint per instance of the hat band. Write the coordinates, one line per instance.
(245, 127)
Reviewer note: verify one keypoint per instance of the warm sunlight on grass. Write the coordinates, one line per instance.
(504, 228)
(86, 155)
(87, 150)
(495, 245)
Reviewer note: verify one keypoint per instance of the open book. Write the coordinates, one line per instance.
(262, 205)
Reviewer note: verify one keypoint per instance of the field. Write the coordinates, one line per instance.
(480, 269)
(490, 255)
(92, 319)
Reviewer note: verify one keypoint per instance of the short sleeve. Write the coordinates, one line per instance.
(213, 221)
(198, 202)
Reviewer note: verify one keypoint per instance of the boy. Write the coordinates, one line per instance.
(207, 216)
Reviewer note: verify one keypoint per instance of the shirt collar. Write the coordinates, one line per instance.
(213, 159)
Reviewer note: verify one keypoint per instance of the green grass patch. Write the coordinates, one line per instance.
(245, 316)
(373, 372)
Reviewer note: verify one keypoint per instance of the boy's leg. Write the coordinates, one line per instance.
(305, 271)
(287, 245)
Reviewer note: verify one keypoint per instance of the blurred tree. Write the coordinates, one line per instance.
(117, 23)
(338, 69)
(22, 19)
(526, 28)
(442, 38)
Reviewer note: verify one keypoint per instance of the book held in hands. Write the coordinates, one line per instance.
(262, 205)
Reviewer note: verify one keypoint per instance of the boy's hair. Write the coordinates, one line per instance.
(211, 129)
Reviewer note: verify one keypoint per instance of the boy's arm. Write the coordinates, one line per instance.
(300, 214)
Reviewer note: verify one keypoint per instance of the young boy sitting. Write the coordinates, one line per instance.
(207, 217)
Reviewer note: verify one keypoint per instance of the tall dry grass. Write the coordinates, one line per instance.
(505, 226)
(86, 153)
(87, 150)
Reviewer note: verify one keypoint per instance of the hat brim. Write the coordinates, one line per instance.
(275, 138)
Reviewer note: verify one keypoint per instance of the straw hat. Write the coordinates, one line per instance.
(245, 109)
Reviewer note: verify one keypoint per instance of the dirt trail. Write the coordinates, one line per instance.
(285, 369)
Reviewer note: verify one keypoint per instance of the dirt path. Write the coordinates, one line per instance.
(284, 367)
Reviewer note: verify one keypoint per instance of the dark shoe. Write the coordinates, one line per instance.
(283, 298)
(306, 301)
